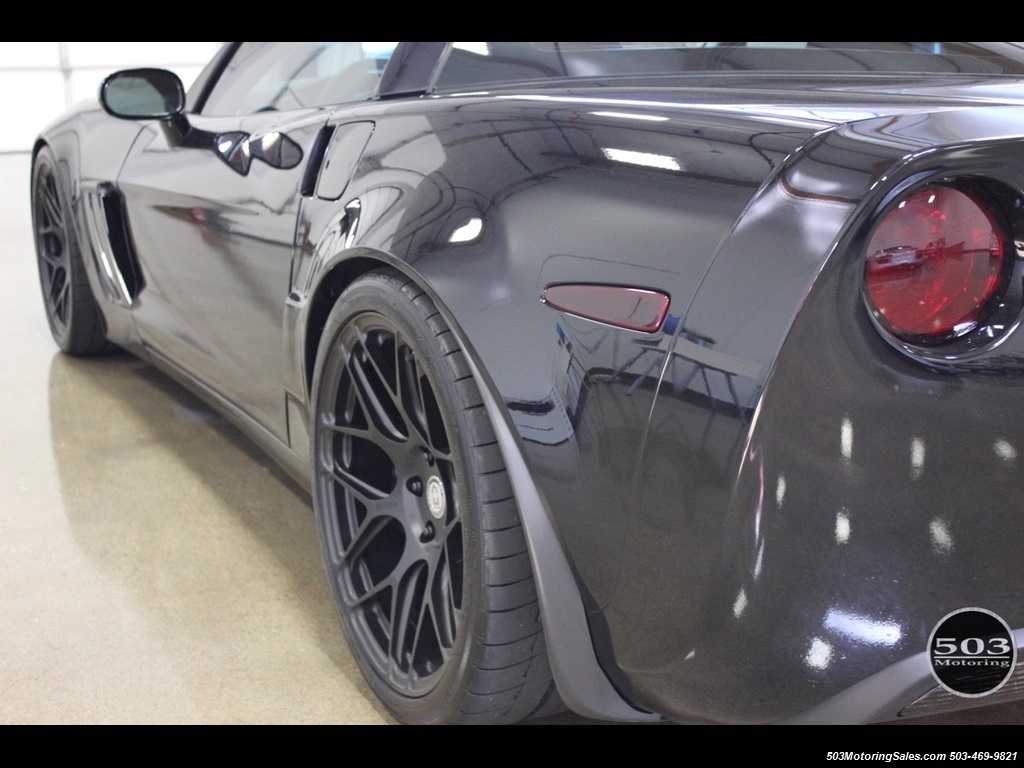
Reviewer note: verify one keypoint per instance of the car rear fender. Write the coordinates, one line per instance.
(484, 231)
(581, 683)
(838, 515)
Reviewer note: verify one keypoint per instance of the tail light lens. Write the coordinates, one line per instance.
(935, 265)
(635, 309)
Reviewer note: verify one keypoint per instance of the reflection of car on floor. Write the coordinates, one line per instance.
(656, 379)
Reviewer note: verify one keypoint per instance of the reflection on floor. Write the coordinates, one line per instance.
(155, 567)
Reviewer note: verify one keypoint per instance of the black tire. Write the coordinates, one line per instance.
(421, 535)
(71, 309)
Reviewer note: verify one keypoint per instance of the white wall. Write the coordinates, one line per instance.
(38, 81)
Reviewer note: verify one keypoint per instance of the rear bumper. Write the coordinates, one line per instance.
(904, 690)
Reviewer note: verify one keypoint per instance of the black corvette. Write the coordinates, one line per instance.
(676, 380)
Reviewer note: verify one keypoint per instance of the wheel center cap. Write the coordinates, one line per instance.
(437, 502)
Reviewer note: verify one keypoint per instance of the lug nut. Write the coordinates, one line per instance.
(428, 533)
(415, 486)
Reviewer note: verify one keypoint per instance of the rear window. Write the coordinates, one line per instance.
(480, 64)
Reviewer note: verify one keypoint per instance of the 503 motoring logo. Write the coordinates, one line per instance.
(972, 652)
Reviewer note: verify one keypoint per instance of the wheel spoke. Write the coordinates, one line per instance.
(407, 607)
(345, 429)
(420, 404)
(55, 279)
(60, 300)
(410, 392)
(48, 228)
(362, 540)
(51, 204)
(372, 595)
(442, 603)
(378, 405)
(369, 432)
(374, 340)
(438, 614)
(52, 260)
(365, 492)
(356, 454)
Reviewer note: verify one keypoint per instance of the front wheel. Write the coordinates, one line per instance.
(71, 309)
(421, 535)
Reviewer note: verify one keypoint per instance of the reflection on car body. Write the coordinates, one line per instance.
(655, 380)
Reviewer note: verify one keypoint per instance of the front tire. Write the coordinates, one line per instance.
(71, 309)
(421, 535)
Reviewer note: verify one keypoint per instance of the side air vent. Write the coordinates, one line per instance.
(120, 240)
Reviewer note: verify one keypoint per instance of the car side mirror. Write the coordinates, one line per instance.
(239, 149)
(157, 94)
(143, 94)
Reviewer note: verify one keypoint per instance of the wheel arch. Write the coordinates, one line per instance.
(65, 154)
(40, 142)
(334, 281)
(581, 682)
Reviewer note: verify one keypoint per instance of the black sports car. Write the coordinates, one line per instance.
(672, 380)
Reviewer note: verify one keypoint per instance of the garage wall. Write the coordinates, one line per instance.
(38, 81)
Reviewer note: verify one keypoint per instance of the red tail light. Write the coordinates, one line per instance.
(935, 265)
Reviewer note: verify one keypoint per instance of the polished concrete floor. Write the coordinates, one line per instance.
(155, 567)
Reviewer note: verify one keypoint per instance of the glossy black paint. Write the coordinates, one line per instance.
(866, 501)
(742, 515)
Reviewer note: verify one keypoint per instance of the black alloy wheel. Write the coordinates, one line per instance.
(74, 317)
(424, 549)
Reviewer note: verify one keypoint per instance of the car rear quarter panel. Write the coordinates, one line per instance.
(553, 203)
(819, 536)
(739, 561)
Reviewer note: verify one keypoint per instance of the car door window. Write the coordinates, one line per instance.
(265, 77)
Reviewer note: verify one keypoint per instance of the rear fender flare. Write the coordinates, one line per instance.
(581, 682)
